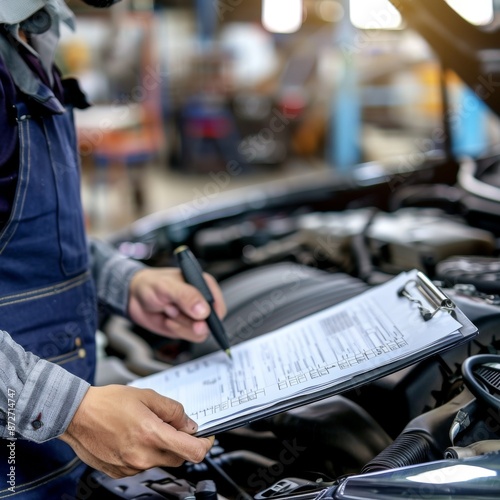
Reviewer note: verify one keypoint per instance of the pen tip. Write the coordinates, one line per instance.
(228, 352)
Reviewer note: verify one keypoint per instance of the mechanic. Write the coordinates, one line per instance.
(52, 421)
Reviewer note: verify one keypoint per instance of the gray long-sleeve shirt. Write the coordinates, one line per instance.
(25, 378)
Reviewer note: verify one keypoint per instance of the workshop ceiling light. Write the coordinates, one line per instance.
(381, 14)
(282, 16)
(479, 12)
(374, 15)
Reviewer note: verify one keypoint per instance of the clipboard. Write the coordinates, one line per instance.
(383, 330)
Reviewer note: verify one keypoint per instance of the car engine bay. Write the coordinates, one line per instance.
(318, 245)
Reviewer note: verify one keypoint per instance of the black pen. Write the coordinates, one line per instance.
(193, 274)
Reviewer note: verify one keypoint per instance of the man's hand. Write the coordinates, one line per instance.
(122, 430)
(162, 302)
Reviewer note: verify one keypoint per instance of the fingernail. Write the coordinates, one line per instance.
(200, 309)
(192, 425)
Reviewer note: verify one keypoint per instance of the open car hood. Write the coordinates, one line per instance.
(470, 51)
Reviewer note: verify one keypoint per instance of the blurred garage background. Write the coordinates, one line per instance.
(196, 97)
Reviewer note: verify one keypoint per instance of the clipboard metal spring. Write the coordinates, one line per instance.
(431, 293)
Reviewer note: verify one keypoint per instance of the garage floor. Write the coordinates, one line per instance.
(110, 195)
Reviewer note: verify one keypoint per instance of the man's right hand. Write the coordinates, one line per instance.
(123, 430)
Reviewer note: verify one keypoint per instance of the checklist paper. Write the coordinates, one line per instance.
(339, 348)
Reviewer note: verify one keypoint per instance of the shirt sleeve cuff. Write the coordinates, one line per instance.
(112, 274)
(48, 402)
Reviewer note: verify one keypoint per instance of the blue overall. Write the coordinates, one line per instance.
(47, 298)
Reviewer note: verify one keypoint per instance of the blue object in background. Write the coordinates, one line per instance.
(468, 121)
(343, 143)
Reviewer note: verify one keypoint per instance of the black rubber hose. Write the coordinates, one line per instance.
(407, 449)
(425, 438)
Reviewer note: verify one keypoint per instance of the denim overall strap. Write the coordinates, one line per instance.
(47, 297)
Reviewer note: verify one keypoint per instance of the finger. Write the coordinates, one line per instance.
(169, 411)
(187, 299)
(187, 447)
(193, 331)
(116, 472)
(173, 430)
(185, 325)
(185, 328)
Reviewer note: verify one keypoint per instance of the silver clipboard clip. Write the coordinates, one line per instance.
(432, 294)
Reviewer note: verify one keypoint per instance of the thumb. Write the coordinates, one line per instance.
(170, 411)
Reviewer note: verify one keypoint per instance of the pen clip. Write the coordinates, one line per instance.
(192, 271)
